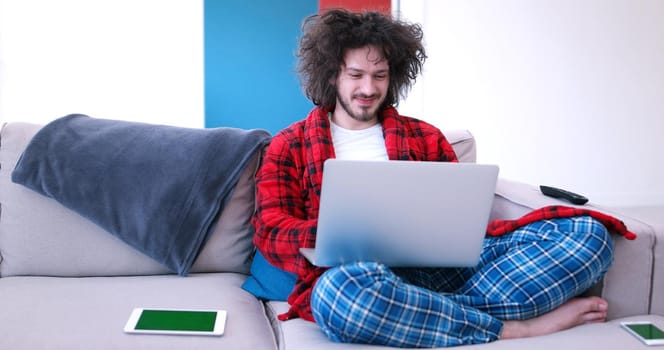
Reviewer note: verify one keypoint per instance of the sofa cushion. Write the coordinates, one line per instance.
(267, 281)
(300, 334)
(230, 245)
(90, 313)
(38, 236)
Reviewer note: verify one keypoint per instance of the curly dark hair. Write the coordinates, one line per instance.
(327, 36)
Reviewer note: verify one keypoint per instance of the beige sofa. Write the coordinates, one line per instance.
(65, 283)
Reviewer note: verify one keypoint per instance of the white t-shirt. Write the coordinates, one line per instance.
(365, 144)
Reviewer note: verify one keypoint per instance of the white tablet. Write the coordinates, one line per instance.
(646, 332)
(176, 321)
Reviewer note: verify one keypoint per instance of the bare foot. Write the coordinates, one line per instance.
(574, 312)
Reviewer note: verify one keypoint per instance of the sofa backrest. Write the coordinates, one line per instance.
(38, 236)
(463, 143)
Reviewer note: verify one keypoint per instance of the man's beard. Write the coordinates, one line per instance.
(365, 116)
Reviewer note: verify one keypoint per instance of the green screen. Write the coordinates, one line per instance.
(170, 320)
(647, 331)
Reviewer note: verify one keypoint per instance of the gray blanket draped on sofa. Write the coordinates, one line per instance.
(156, 187)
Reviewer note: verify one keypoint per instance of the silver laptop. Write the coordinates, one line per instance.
(403, 213)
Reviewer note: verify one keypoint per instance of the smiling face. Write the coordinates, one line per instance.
(361, 86)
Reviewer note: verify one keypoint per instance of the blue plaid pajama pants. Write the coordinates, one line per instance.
(520, 275)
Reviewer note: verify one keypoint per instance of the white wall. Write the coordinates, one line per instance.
(561, 92)
(122, 59)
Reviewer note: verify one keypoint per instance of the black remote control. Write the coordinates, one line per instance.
(560, 193)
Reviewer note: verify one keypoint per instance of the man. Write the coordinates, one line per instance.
(354, 67)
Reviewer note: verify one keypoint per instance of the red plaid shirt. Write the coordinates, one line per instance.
(289, 182)
(288, 193)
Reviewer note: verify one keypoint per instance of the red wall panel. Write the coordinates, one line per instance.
(384, 6)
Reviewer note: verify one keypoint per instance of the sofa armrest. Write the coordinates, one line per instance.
(628, 284)
(657, 301)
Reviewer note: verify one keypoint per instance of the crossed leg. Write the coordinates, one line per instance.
(521, 288)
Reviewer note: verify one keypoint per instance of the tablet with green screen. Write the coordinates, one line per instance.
(646, 332)
(176, 321)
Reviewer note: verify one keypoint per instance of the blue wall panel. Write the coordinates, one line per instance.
(250, 79)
